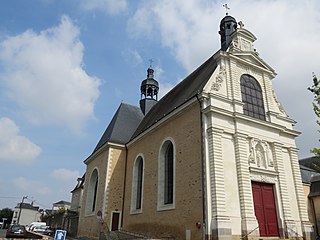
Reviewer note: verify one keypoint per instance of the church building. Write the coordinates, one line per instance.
(215, 158)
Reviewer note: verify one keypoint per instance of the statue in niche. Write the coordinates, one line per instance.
(261, 161)
(260, 153)
(269, 155)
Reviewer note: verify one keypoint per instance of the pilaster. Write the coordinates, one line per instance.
(248, 219)
(106, 186)
(306, 226)
(235, 81)
(285, 201)
(220, 222)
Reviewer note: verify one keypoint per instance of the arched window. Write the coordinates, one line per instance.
(92, 192)
(166, 185)
(137, 186)
(252, 97)
(168, 175)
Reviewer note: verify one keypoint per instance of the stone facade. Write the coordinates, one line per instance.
(228, 155)
(184, 130)
(109, 164)
(241, 150)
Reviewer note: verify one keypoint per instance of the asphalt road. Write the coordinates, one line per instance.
(30, 235)
(3, 233)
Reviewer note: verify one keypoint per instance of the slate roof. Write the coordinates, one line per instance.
(183, 92)
(62, 202)
(27, 206)
(315, 186)
(308, 162)
(80, 183)
(122, 125)
(307, 174)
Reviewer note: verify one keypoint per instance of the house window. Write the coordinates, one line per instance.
(137, 186)
(166, 173)
(92, 192)
(252, 97)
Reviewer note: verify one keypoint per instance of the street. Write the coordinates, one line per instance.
(3, 233)
(29, 235)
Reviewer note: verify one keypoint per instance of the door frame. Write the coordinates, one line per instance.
(276, 207)
(111, 219)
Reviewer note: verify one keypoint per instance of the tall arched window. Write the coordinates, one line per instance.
(166, 176)
(92, 192)
(137, 186)
(252, 97)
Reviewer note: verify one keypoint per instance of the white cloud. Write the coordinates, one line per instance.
(65, 174)
(45, 76)
(31, 186)
(14, 147)
(107, 6)
(133, 57)
(288, 33)
(185, 27)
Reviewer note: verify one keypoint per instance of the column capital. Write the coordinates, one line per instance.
(293, 150)
(241, 135)
(277, 144)
(215, 130)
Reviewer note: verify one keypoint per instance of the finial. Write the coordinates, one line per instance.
(151, 61)
(241, 25)
(226, 7)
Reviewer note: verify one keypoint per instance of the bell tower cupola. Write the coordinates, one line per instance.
(228, 25)
(149, 92)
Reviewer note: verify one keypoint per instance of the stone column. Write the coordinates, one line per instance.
(306, 226)
(220, 222)
(248, 219)
(283, 185)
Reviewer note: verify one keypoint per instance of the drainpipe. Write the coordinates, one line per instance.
(204, 224)
(124, 185)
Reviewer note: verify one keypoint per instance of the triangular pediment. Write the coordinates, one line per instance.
(242, 48)
(253, 59)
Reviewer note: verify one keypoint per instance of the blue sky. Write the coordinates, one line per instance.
(65, 66)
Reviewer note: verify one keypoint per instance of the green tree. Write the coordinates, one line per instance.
(6, 213)
(315, 89)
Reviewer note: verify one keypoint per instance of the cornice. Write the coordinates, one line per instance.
(240, 116)
(101, 149)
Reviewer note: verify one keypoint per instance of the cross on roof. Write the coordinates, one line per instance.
(226, 7)
(151, 61)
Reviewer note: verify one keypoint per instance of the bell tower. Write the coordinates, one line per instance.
(149, 92)
(228, 25)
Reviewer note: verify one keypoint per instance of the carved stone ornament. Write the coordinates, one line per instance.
(216, 85)
(245, 45)
(245, 69)
(281, 108)
(260, 154)
(234, 44)
(263, 178)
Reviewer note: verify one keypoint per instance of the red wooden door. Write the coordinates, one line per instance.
(265, 208)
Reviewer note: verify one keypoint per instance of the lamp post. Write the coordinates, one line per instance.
(23, 198)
